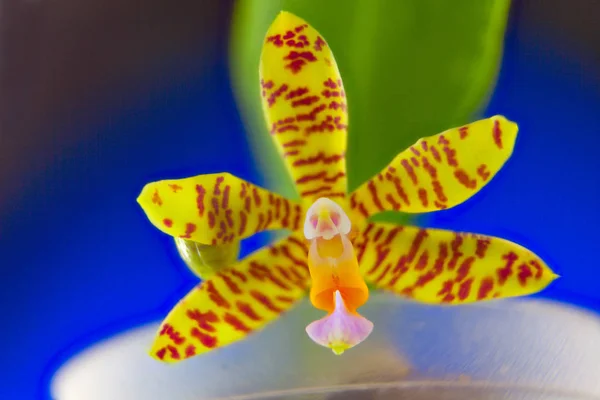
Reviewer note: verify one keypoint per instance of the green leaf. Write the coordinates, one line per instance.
(411, 68)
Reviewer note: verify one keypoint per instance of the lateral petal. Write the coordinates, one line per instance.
(437, 266)
(235, 302)
(216, 208)
(440, 171)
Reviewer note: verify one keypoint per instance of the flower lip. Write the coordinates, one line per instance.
(325, 219)
(341, 329)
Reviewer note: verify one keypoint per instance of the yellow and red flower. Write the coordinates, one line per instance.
(332, 249)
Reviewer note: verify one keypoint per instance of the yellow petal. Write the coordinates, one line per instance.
(305, 106)
(216, 208)
(437, 266)
(235, 302)
(440, 171)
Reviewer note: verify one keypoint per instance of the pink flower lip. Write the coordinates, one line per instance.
(341, 329)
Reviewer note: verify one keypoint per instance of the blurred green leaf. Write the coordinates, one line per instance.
(411, 68)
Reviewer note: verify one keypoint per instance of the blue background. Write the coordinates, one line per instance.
(81, 262)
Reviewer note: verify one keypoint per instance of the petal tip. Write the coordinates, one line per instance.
(148, 196)
(286, 19)
(509, 126)
(159, 355)
(551, 275)
(143, 194)
(286, 14)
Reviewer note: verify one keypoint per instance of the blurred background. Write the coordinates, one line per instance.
(99, 97)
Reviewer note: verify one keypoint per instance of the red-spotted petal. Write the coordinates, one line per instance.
(216, 208)
(440, 171)
(305, 106)
(437, 266)
(235, 302)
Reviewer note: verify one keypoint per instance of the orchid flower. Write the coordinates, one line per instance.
(333, 248)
